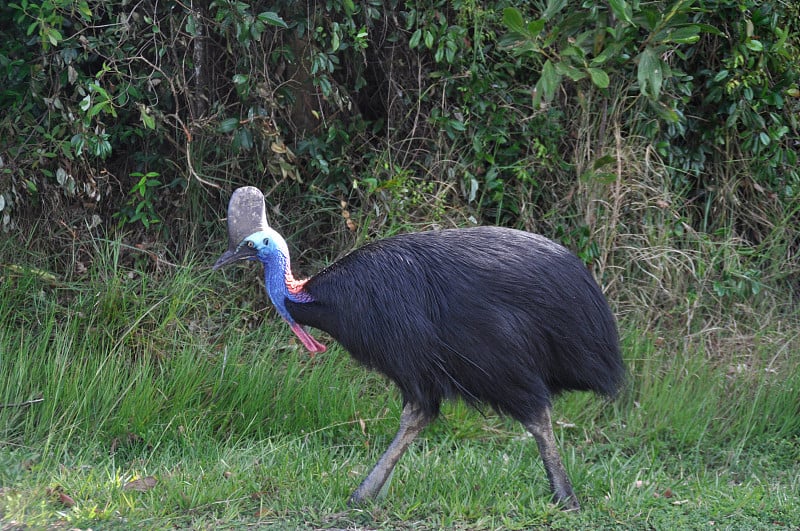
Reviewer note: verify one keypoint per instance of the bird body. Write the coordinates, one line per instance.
(488, 314)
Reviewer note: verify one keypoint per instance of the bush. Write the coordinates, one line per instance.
(146, 115)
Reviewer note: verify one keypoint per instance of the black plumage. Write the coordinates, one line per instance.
(492, 315)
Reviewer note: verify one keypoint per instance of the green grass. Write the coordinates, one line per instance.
(186, 377)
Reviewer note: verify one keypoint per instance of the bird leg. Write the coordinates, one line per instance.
(542, 430)
(412, 422)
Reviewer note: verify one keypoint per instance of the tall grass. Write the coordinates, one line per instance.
(189, 377)
(118, 353)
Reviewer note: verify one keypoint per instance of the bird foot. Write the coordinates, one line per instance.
(568, 503)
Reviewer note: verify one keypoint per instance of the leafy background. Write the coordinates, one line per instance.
(148, 114)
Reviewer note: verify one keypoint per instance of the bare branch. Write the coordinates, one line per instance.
(23, 404)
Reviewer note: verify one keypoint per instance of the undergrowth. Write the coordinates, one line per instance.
(188, 378)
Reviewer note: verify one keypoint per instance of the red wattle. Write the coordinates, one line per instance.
(309, 342)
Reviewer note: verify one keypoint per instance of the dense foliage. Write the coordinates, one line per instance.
(581, 120)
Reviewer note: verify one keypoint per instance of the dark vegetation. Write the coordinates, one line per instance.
(581, 121)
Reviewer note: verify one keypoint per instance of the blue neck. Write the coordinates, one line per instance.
(276, 274)
(281, 285)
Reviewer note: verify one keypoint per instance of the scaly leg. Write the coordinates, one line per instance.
(542, 430)
(412, 422)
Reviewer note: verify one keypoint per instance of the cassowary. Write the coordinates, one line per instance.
(491, 315)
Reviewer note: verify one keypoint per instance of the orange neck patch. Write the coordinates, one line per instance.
(295, 286)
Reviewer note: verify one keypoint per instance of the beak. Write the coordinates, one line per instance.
(234, 255)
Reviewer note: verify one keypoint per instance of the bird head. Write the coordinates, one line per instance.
(247, 217)
(265, 245)
(251, 238)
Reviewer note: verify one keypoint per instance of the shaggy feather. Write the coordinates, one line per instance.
(489, 314)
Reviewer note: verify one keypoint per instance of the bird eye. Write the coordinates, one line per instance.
(250, 244)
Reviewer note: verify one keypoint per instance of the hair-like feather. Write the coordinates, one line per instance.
(489, 314)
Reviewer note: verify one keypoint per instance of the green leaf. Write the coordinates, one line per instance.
(240, 79)
(257, 29)
(622, 10)
(191, 26)
(780, 44)
(97, 108)
(574, 51)
(413, 42)
(685, 34)
(650, 18)
(54, 36)
(534, 28)
(599, 77)
(755, 45)
(273, 19)
(227, 125)
(605, 160)
(83, 7)
(243, 139)
(553, 8)
(722, 74)
(548, 83)
(708, 28)
(457, 125)
(428, 39)
(513, 20)
(451, 51)
(148, 121)
(564, 69)
(650, 74)
(612, 50)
